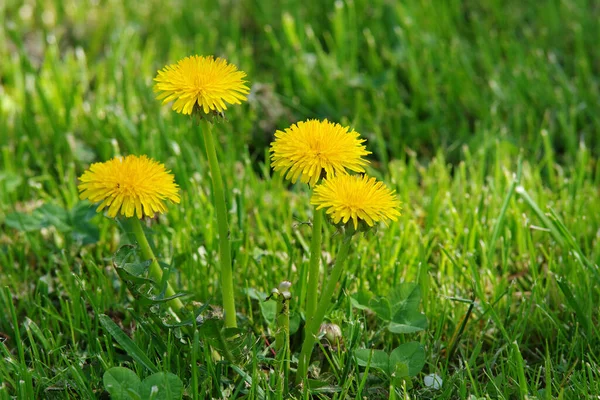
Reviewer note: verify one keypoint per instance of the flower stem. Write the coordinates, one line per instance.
(282, 343)
(224, 245)
(312, 326)
(283, 326)
(155, 270)
(313, 271)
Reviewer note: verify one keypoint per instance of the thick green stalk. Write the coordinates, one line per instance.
(313, 325)
(313, 271)
(148, 254)
(224, 245)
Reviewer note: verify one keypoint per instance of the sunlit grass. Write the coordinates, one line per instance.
(446, 95)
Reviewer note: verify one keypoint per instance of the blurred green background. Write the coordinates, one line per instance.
(419, 75)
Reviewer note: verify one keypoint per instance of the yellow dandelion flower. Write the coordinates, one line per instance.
(206, 82)
(130, 185)
(307, 149)
(356, 197)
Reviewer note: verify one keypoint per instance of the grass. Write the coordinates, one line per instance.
(483, 116)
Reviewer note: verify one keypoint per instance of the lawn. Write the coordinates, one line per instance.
(483, 116)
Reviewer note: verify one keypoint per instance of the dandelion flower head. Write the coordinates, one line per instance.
(357, 198)
(307, 149)
(206, 82)
(130, 185)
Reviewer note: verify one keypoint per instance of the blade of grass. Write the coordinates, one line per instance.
(128, 345)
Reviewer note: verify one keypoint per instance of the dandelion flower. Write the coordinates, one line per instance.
(307, 149)
(130, 185)
(205, 82)
(356, 197)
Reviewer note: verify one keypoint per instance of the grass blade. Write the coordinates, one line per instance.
(128, 345)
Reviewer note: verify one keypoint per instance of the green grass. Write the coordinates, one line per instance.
(483, 116)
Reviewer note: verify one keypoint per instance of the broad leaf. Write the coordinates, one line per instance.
(255, 294)
(25, 222)
(412, 354)
(408, 322)
(377, 358)
(361, 300)
(56, 216)
(83, 230)
(162, 386)
(75, 221)
(400, 373)
(268, 309)
(295, 320)
(405, 297)
(211, 329)
(381, 307)
(121, 383)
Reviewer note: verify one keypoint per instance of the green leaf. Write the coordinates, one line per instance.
(83, 230)
(255, 294)
(123, 253)
(381, 307)
(361, 300)
(400, 373)
(121, 383)
(400, 369)
(159, 299)
(56, 216)
(238, 341)
(295, 320)
(75, 221)
(412, 354)
(233, 343)
(162, 386)
(405, 297)
(134, 272)
(189, 321)
(128, 345)
(400, 308)
(268, 309)
(408, 322)
(377, 358)
(10, 181)
(25, 222)
(211, 329)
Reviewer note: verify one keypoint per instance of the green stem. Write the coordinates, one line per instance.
(313, 325)
(315, 258)
(282, 343)
(283, 325)
(224, 245)
(148, 254)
